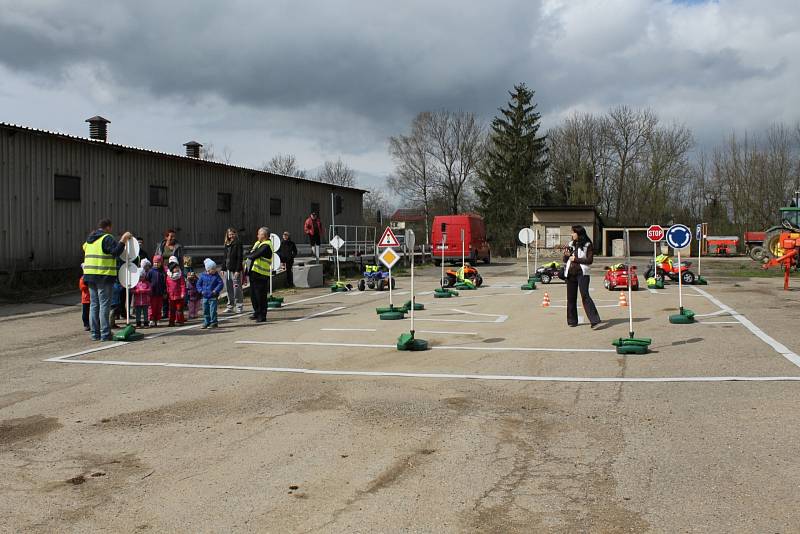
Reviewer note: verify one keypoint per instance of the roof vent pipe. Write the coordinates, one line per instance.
(98, 129)
(193, 149)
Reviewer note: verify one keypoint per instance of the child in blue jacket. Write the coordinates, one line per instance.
(209, 285)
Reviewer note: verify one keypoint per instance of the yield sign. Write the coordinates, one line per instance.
(389, 257)
(388, 239)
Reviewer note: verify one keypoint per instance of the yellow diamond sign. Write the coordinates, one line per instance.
(389, 257)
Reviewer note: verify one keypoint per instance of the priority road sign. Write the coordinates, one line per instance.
(655, 233)
(679, 236)
(337, 242)
(389, 258)
(388, 239)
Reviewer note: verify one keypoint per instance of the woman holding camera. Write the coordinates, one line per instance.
(578, 256)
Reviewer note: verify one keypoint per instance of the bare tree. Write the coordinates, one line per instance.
(337, 173)
(285, 164)
(414, 175)
(376, 207)
(208, 153)
(457, 144)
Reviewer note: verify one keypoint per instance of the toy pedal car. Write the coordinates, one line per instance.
(549, 271)
(668, 268)
(451, 276)
(617, 277)
(375, 278)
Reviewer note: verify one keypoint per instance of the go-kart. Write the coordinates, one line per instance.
(375, 278)
(451, 276)
(549, 271)
(617, 277)
(668, 268)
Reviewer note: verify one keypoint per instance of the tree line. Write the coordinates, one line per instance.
(633, 167)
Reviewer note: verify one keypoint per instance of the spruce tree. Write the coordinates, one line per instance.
(512, 178)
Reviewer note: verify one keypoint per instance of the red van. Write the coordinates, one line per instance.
(475, 245)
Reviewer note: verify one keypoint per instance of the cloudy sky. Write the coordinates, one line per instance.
(326, 79)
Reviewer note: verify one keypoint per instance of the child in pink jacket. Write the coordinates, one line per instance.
(176, 292)
(141, 298)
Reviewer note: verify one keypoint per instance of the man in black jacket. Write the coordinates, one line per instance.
(287, 253)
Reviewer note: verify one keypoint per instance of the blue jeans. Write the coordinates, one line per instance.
(99, 308)
(210, 311)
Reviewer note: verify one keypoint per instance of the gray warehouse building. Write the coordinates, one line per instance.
(55, 187)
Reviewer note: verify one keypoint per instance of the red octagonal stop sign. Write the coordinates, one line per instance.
(655, 233)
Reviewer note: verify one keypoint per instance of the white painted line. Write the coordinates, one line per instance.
(763, 336)
(712, 314)
(719, 322)
(307, 299)
(446, 332)
(318, 314)
(446, 376)
(435, 347)
(98, 348)
(500, 318)
(596, 306)
(348, 329)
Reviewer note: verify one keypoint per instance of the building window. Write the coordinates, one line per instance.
(274, 206)
(223, 202)
(315, 207)
(158, 196)
(66, 187)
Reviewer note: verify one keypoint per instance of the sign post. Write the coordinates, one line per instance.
(337, 243)
(389, 258)
(526, 235)
(700, 235)
(128, 277)
(678, 237)
(407, 341)
(441, 291)
(463, 261)
(655, 234)
(631, 344)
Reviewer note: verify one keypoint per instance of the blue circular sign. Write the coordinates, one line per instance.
(679, 236)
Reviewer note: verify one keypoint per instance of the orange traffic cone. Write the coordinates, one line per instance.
(623, 300)
(546, 300)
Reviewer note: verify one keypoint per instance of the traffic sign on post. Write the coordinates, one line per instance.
(655, 233)
(337, 242)
(388, 239)
(389, 258)
(525, 236)
(679, 236)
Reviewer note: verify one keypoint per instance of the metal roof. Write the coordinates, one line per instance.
(161, 154)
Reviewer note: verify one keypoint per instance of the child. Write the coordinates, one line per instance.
(176, 291)
(117, 304)
(210, 285)
(141, 295)
(158, 288)
(194, 294)
(85, 302)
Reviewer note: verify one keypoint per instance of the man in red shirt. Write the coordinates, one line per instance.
(313, 229)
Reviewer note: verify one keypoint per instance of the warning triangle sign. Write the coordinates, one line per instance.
(388, 239)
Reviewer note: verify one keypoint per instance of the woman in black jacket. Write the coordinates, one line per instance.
(232, 267)
(578, 256)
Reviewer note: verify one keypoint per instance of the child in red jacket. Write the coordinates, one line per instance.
(85, 302)
(176, 292)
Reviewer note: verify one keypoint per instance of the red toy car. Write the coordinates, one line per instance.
(617, 277)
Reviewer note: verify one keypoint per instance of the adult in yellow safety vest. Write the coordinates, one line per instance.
(101, 251)
(259, 260)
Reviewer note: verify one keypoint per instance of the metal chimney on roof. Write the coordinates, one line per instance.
(98, 129)
(193, 149)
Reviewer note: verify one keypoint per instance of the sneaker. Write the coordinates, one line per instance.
(95, 338)
(228, 309)
(204, 327)
(239, 310)
(595, 325)
(214, 325)
(152, 323)
(86, 328)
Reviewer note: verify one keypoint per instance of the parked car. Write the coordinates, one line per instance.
(476, 247)
(617, 277)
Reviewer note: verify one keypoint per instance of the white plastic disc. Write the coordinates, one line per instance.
(276, 242)
(133, 275)
(131, 250)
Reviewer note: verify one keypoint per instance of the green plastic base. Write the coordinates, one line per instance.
(417, 306)
(393, 315)
(632, 349)
(387, 309)
(687, 317)
(275, 299)
(700, 281)
(619, 342)
(408, 342)
(274, 303)
(461, 285)
(128, 333)
(453, 292)
(530, 286)
(443, 295)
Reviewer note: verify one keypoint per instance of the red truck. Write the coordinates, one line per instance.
(475, 245)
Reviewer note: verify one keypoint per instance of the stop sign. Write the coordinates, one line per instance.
(655, 233)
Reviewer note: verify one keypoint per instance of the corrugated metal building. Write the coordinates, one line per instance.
(55, 187)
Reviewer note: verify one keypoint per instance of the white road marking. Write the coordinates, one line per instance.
(446, 332)
(104, 346)
(435, 347)
(446, 376)
(348, 329)
(763, 336)
(325, 312)
(712, 314)
(719, 322)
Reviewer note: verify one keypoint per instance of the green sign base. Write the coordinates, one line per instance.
(531, 285)
(463, 285)
(700, 281)
(128, 333)
(632, 345)
(442, 295)
(274, 303)
(408, 342)
(418, 306)
(685, 317)
(395, 315)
